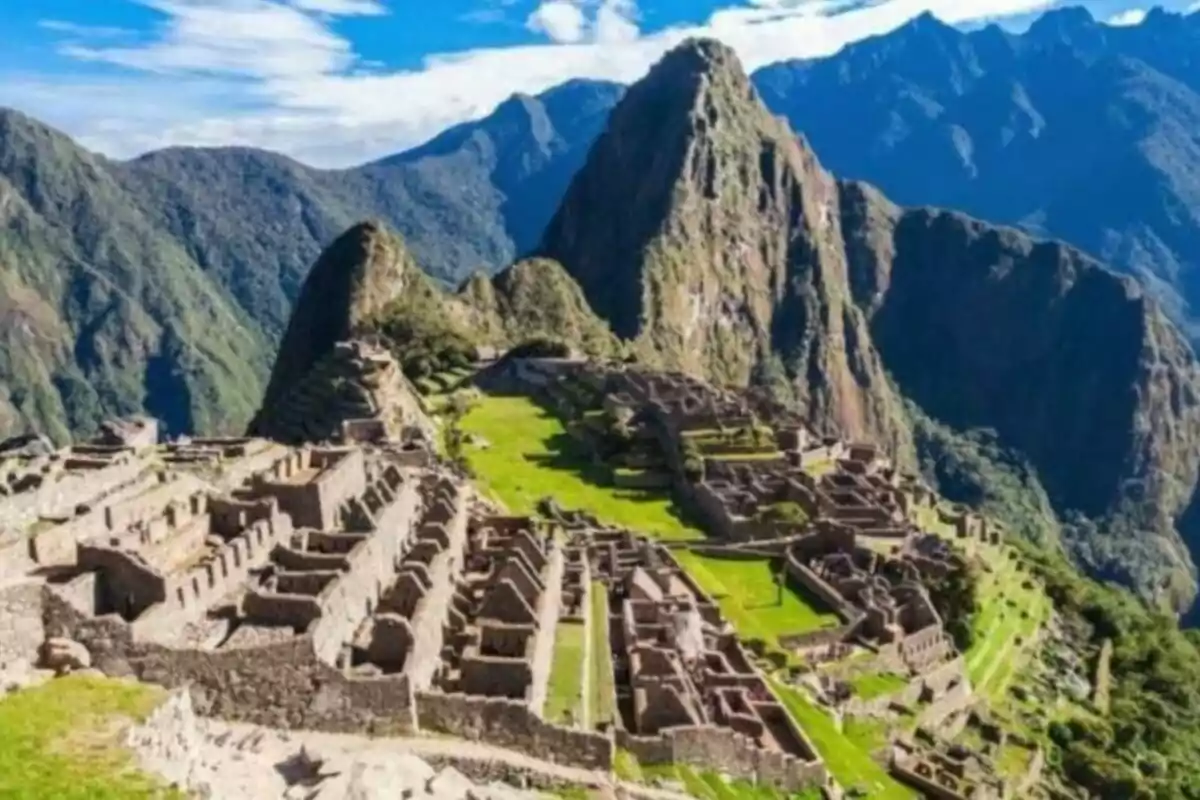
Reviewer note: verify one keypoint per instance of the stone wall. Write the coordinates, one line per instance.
(937, 681)
(830, 596)
(429, 618)
(929, 787)
(510, 724)
(133, 585)
(720, 749)
(57, 545)
(59, 494)
(228, 566)
(16, 560)
(21, 629)
(952, 701)
(282, 684)
(371, 566)
(314, 503)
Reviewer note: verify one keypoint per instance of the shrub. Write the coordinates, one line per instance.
(540, 347)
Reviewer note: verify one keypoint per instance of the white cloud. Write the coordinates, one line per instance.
(616, 21)
(568, 21)
(276, 74)
(363, 8)
(1133, 16)
(91, 31)
(561, 21)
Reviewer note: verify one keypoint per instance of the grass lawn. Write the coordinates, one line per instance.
(750, 600)
(870, 685)
(846, 760)
(62, 740)
(867, 734)
(530, 456)
(564, 694)
(601, 682)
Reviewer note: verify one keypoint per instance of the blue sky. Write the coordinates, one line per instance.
(337, 82)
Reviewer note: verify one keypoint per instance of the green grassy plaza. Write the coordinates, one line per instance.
(63, 739)
(749, 597)
(528, 456)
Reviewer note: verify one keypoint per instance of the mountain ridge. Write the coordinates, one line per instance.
(730, 253)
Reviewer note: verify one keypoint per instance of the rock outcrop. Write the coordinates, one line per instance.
(708, 235)
(330, 369)
(535, 298)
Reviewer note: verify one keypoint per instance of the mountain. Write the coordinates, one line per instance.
(710, 207)
(725, 249)
(162, 284)
(475, 197)
(1075, 129)
(328, 369)
(103, 314)
(534, 299)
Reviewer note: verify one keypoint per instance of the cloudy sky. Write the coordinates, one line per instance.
(337, 82)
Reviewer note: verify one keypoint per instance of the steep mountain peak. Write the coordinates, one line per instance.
(523, 114)
(1063, 24)
(694, 68)
(712, 252)
(351, 284)
(928, 25)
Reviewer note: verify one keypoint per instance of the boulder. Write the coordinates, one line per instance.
(64, 656)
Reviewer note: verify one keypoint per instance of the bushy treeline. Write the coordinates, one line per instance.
(1148, 743)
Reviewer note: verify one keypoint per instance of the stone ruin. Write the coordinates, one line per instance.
(685, 689)
(852, 535)
(355, 392)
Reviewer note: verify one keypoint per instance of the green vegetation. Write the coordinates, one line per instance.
(536, 306)
(846, 760)
(540, 347)
(1146, 746)
(701, 784)
(866, 733)
(529, 456)
(62, 740)
(752, 599)
(1012, 609)
(601, 683)
(424, 334)
(870, 685)
(783, 512)
(564, 690)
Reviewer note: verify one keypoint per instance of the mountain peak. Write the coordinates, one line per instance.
(712, 247)
(1063, 22)
(350, 285)
(696, 61)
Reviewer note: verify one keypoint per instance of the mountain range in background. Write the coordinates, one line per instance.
(1020, 377)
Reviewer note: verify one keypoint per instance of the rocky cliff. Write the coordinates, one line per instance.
(709, 236)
